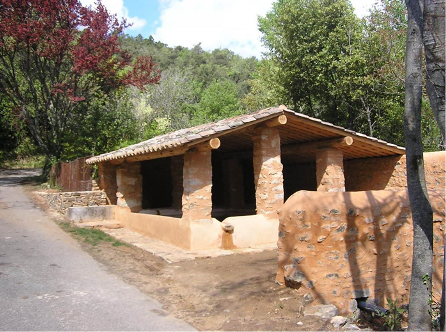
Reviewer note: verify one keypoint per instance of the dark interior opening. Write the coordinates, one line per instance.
(218, 195)
(249, 187)
(157, 183)
(299, 177)
(233, 192)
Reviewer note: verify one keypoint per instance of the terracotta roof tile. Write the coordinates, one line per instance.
(196, 135)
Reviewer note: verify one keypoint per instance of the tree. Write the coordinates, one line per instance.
(170, 98)
(419, 306)
(56, 57)
(316, 47)
(434, 50)
(217, 102)
(265, 90)
(325, 62)
(385, 44)
(433, 40)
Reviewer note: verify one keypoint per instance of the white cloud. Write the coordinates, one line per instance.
(215, 24)
(117, 7)
(362, 7)
(228, 24)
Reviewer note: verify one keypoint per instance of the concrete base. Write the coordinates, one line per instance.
(91, 213)
(247, 231)
(253, 230)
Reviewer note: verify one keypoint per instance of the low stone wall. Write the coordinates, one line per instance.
(338, 247)
(61, 201)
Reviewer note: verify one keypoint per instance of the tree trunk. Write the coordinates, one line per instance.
(419, 316)
(434, 39)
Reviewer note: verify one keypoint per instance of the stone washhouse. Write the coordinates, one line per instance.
(221, 185)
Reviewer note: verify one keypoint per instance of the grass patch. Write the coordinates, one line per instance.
(23, 162)
(91, 235)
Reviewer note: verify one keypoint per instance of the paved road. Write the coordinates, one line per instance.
(48, 283)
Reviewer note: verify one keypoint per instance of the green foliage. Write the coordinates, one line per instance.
(322, 61)
(15, 142)
(316, 47)
(90, 235)
(190, 78)
(107, 124)
(434, 304)
(217, 102)
(33, 161)
(325, 62)
(265, 91)
(394, 316)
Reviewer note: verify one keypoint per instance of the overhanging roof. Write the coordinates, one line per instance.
(235, 135)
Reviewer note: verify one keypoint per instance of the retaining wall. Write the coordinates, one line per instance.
(338, 247)
(61, 201)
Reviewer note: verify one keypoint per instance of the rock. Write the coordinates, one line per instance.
(338, 321)
(308, 298)
(299, 323)
(294, 280)
(360, 293)
(351, 327)
(352, 305)
(321, 310)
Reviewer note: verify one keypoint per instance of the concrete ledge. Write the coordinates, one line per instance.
(253, 230)
(91, 213)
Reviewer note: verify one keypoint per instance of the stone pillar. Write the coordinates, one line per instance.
(268, 177)
(176, 171)
(233, 183)
(330, 170)
(107, 181)
(129, 181)
(197, 186)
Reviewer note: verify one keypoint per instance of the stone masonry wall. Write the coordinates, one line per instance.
(107, 181)
(336, 247)
(129, 181)
(390, 172)
(330, 170)
(268, 176)
(61, 201)
(197, 186)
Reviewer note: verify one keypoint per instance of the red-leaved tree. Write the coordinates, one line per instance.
(55, 56)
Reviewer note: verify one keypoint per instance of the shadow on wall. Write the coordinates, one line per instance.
(344, 246)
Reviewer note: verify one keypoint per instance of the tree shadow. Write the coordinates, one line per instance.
(19, 177)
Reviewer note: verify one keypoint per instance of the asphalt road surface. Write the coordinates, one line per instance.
(47, 282)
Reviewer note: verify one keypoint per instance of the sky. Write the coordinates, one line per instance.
(215, 24)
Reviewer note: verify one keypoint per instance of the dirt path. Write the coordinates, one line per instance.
(227, 293)
(232, 293)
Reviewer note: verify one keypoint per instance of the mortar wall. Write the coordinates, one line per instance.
(390, 172)
(337, 247)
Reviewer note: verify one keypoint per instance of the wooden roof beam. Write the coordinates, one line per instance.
(274, 122)
(212, 144)
(337, 142)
